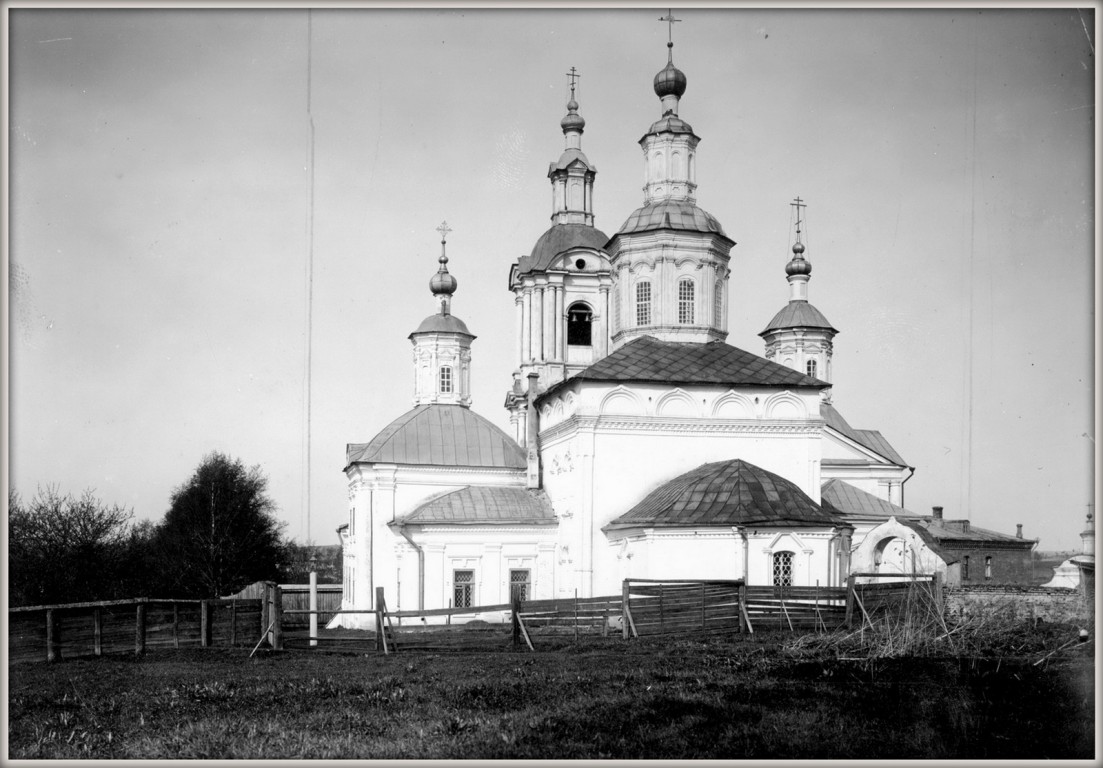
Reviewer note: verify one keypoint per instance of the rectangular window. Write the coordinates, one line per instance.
(783, 569)
(965, 568)
(643, 303)
(445, 379)
(519, 585)
(685, 301)
(988, 568)
(463, 588)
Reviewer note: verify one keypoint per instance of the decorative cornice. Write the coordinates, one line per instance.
(667, 425)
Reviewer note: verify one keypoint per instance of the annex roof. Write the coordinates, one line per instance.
(868, 438)
(484, 505)
(648, 359)
(726, 493)
(798, 314)
(852, 501)
(440, 435)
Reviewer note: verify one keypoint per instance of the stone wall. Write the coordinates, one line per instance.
(1012, 601)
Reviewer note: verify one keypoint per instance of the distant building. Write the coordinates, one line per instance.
(1078, 571)
(643, 445)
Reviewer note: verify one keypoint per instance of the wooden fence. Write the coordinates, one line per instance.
(871, 596)
(296, 598)
(53, 632)
(682, 607)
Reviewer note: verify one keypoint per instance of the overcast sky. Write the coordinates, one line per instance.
(160, 220)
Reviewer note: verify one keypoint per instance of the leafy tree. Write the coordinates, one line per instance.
(63, 549)
(220, 533)
(301, 559)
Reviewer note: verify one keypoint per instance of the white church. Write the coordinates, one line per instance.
(642, 445)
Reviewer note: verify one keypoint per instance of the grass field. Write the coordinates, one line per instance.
(722, 699)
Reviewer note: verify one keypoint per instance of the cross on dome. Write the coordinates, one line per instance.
(670, 20)
(443, 284)
(574, 76)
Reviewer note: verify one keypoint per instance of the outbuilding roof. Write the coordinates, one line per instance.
(648, 359)
(440, 435)
(726, 493)
(484, 505)
(852, 501)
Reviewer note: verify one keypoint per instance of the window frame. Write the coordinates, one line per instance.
(445, 380)
(687, 307)
(468, 587)
(643, 304)
(574, 328)
(787, 560)
(525, 585)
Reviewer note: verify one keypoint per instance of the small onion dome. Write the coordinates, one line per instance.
(670, 81)
(443, 283)
(573, 121)
(798, 266)
(798, 248)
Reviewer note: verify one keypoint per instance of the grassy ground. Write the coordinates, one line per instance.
(734, 698)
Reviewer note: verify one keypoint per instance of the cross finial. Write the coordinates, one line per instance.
(444, 229)
(670, 20)
(798, 204)
(573, 74)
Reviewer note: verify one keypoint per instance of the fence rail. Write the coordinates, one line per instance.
(644, 608)
(53, 632)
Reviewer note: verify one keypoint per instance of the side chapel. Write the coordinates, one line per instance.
(641, 444)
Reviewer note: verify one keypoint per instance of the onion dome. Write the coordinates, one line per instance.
(670, 81)
(442, 283)
(572, 121)
(798, 265)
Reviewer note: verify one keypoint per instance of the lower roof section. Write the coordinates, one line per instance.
(484, 505)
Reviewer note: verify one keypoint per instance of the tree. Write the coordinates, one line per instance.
(63, 549)
(220, 533)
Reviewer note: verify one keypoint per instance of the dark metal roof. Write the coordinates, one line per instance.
(477, 504)
(953, 533)
(669, 124)
(869, 438)
(852, 501)
(561, 238)
(440, 435)
(798, 314)
(439, 323)
(671, 214)
(674, 362)
(570, 156)
(724, 493)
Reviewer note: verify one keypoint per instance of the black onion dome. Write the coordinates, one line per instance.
(670, 81)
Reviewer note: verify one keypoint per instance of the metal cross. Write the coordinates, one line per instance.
(573, 74)
(444, 229)
(669, 19)
(798, 203)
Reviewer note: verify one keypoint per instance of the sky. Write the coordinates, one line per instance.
(195, 192)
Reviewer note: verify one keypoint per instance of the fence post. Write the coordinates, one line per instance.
(204, 623)
(936, 593)
(53, 638)
(97, 632)
(850, 601)
(277, 617)
(265, 611)
(516, 620)
(140, 629)
(175, 624)
(702, 606)
(624, 591)
(233, 623)
(313, 608)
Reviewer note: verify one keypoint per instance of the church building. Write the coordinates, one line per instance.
(641, 444)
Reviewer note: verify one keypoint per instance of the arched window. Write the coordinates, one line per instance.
(810, 368)
(718, 303)
(783, 569)
(445, 379)
(685, 301)
(580, 322)
(643, 302)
